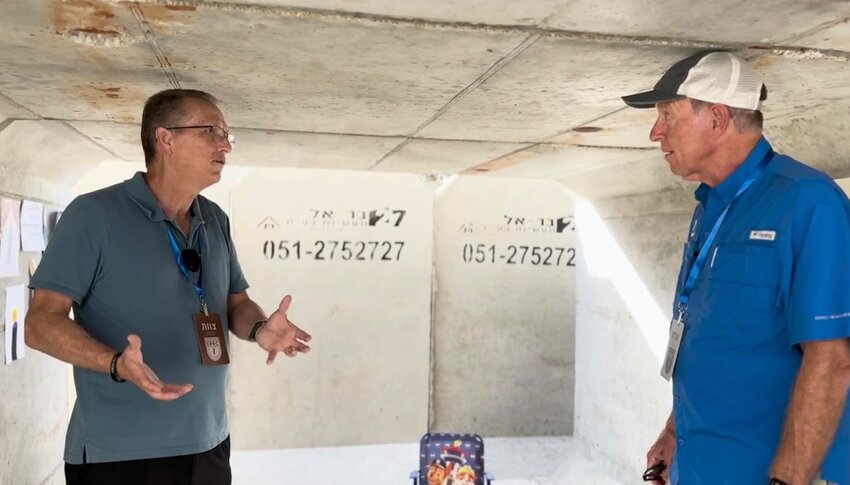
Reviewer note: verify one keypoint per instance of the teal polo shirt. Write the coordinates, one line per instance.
(776, 275)
(110, 254)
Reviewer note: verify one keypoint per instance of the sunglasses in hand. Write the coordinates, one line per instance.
(653, 473)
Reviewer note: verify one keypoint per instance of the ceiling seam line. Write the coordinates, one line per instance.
(543, 142)
(496, 67)
(19, 105)
(151, 40)
(814, 30)
(83, 135)
(395, 150)
(493, 69)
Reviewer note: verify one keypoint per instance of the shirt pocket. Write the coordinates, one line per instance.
(743, 283)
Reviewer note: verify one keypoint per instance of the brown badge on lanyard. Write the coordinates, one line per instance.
(211, 339)
(208, 326)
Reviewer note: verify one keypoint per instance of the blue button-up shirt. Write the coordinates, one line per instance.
(776, 275)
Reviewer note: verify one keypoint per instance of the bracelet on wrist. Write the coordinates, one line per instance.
(113, 368)
(252, 337)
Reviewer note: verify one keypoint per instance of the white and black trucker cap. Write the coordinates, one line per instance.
(711, 76)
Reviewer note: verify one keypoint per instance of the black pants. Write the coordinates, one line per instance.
(208, 468)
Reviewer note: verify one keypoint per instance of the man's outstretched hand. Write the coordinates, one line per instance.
(280, 335)
(132, 368)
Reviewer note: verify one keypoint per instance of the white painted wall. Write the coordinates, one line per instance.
(354, 250)
(504, 311)
(630, 250)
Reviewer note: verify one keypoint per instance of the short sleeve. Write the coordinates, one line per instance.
(819, 293)
(72, 260)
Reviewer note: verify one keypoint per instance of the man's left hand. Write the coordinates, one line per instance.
(280, 335)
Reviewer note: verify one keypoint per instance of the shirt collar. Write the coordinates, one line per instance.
(141, 194)
(728, 188)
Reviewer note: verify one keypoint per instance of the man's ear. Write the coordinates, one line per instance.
(720, 118)
(164, 140)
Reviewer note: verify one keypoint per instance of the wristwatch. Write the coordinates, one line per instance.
(252, 336)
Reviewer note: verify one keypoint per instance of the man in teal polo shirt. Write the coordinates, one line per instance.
(150, 262)
(759, 355)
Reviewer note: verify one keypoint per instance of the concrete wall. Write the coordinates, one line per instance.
(630, 250)
(355, 252)
(504, 308)
(488, 348)
(38, 161)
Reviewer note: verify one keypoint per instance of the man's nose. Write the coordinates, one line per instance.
(657, 131)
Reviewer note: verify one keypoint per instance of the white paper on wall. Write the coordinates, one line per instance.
(32, 226)
(10, 236)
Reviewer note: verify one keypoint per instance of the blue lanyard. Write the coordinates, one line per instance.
(761, 150)
(197, 286)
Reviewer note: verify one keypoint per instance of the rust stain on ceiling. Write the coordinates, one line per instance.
(84, 17)
(180, 7)
(114, 102)
(163, 14)
(500, 163)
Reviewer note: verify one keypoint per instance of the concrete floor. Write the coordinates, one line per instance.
(513, 461)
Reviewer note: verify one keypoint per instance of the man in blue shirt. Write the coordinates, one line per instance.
(150, 261)
(758, 350)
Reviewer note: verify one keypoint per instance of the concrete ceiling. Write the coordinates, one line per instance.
(492, 87)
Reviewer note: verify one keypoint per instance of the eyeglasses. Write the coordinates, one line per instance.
(191, 259)
(217, 132)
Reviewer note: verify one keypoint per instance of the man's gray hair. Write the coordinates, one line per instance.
(744, 119)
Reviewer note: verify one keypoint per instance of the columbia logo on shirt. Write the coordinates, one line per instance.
(762, 235)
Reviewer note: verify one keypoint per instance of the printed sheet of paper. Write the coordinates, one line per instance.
(32, 226)
(15, 311)
(10, 236)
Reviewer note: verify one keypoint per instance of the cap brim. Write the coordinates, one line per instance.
(648, 99)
